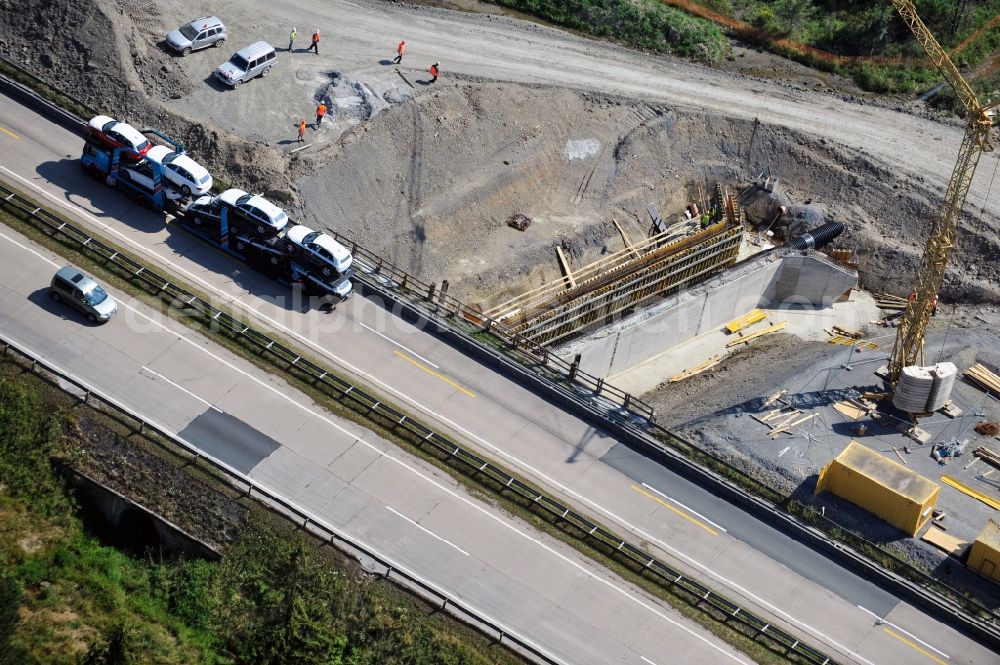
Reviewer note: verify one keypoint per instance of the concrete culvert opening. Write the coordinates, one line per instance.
(136, 532)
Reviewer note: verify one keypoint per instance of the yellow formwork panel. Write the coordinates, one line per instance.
(881, 486)
(744, 321)
(984, 555)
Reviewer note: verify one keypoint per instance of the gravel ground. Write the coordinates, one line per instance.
(714, 409)
(159, 482)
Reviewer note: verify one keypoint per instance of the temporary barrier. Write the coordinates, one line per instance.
(881, 486)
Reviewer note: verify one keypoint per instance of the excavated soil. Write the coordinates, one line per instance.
(428, 175)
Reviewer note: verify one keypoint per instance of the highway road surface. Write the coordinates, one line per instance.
(735, 553)
(345, 476)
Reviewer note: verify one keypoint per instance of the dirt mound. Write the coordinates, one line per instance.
(430, 183)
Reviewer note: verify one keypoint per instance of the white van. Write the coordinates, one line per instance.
(247, 63)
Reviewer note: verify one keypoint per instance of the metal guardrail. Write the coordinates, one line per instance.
(379, 273)
(617, 410)
(282, 506)
(695, 593)
(531, 352)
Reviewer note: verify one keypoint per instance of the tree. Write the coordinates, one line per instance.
(792, 14)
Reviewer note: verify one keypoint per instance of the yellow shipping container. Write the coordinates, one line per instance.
(984, 555)
(881, 486)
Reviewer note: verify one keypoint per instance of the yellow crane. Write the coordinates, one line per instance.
(909, 347)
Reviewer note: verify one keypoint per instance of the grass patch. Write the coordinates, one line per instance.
(67, 598)
(50, 93)
(647, 24)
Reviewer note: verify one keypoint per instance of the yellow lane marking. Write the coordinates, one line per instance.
(914, 646)
(9, 133)
(676, 510)
(433, 373)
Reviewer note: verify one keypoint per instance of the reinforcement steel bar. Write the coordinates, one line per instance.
(547, 298)
(657, 279)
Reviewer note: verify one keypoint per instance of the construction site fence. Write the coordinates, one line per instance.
(595, 399)
(383, 415)
(279, 504)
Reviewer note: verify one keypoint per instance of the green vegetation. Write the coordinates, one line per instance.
(65, 597)
(647, 24)
(45, 90)
(864, 40)
(868, 41)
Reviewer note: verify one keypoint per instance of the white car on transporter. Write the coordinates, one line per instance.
(184, 173)
(320, 251)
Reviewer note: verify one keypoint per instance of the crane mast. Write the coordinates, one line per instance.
(908, 349)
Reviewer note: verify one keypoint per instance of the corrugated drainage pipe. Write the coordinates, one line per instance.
(817, 238)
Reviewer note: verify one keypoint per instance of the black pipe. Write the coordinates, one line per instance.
(817, 238)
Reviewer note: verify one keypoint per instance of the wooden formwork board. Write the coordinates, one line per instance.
(745, 321)
(568, 317)
(593, 276)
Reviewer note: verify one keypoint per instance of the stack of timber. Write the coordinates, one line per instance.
(988, 456)
(781, 421)
(760, 333)
(745, 321)
(979, 376)
(889, 301)
(697, 369)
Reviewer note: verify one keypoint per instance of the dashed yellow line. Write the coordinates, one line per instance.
(9, 133)
(676, 510)
(914, 646)
(433, 373)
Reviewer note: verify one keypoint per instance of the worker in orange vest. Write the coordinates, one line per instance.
(434, 73)
(315, 42)
(934, 299)
(320, 114)
(302, 130)
(400, 49)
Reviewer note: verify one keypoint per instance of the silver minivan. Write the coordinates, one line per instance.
(198, 34)
(72, 287)
(254, 60)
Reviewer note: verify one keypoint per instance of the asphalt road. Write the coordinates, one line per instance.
(712, 539)
(346, 477)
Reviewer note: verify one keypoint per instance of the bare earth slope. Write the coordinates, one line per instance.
(588, 131)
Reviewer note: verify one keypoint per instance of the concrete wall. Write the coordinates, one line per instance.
(121, 512)
(773, 280)
(810, 279)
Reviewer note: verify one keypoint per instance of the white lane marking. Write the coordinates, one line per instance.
(444, 419)
(392, 341)
(319, 521)
(427, 531)
(447, 490)
(690, 510)
(183, 389)
(881, 621)
(647, 660)
(634, 528)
